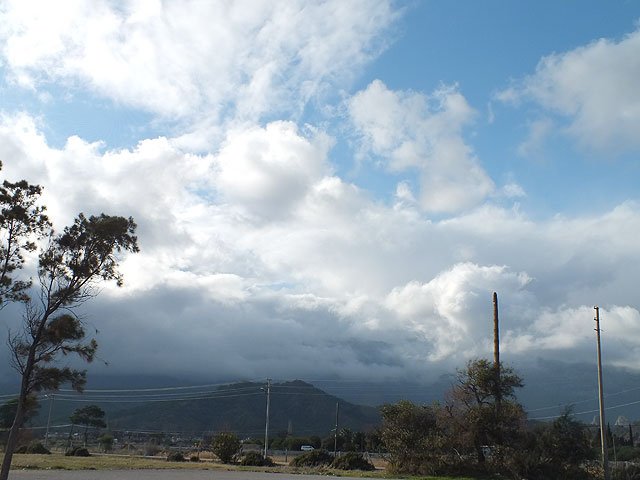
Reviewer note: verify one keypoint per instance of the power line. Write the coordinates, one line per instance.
(153, 389)
(98, 400)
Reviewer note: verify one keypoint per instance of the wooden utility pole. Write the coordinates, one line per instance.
(496, 346)
(603, 432)
(496, 366)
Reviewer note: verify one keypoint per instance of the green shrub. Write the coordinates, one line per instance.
(194, 458)
(151, 450)
(315, 458)
(627, 454)
(255, 459)
(175, 457)
(625, 471)
(77, 452)
(106, 442)
(352, 461)
(33, 447)
(226, 446)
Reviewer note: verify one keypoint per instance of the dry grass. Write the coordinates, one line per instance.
(102, 462)
(58, 461)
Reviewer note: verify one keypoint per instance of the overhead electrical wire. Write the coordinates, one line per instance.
(186, 393)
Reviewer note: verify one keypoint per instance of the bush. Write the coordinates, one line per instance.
(151, 450)
(226, 446)
(255, 459)
(175, 457)
(352, 461)
(315, 458)
(625, 471)
(77, 452)
(627, 454)
(33, 447)
(194, 458)
(106, 442)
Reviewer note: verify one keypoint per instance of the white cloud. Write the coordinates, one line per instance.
(513, 190)
(446, 309)
(195, 60)
(570, 331)
(595, 88)
(378, 289)
(269, 170)
(412, 131)
(539, 130)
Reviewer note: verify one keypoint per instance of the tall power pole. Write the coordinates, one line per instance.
(335, 437)
(46, 435)
(266, 426)
(496, 346)
(496, 365)
(603, 432)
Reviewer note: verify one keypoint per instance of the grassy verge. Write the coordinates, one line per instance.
(114, 462)
(57, 461)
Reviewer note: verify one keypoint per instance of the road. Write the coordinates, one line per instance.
(157, 475)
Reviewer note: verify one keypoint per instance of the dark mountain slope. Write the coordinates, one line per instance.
(241, 408)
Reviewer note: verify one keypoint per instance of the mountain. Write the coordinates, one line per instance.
(241, 407)
(550, 386)
(297, 407)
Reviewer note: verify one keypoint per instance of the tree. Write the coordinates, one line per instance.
(410, 435)
(565, 442)
(8, 411)
(226, 446)
(69, 268)
(89, 416)
(474, 420)
(106, 442)
(553, 450)
(359, 441)
(373, 441)
(22, 221)
(346, 437)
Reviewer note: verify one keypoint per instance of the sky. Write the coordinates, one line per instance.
(334, 189)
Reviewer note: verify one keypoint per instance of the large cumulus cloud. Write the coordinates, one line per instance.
(321, 277)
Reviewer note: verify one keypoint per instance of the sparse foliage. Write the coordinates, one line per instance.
(556, 450)
(480, 417)
(106, 442)
(89, 416)
(8, 411)
(476, 419)
(352, 461)
(176, 457)
(68, 271)
(255, 459)
(409, 433)
(565, 441)
(22, 223)
(226, 446)
(315, 458)
(77, 452)
(34, 447)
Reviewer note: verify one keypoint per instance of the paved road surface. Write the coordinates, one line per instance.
(156, 475)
